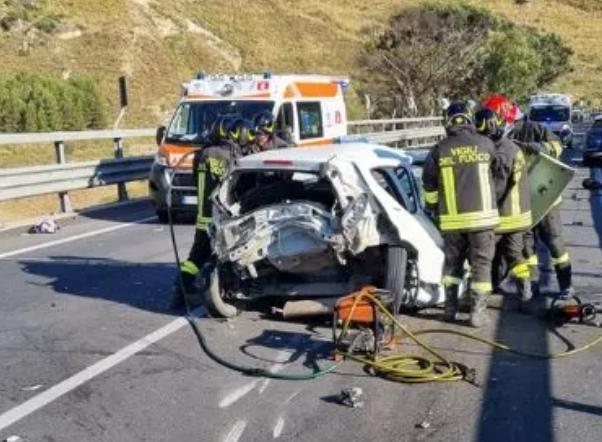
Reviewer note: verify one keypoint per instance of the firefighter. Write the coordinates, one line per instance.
(242, 133)
(513, 196)
(533, 138)
(460, 192)
(210, 166)
(266, 139)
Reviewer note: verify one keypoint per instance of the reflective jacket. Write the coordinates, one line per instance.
(458, 181)
(533, 137)
(211, 164)
(514, 199)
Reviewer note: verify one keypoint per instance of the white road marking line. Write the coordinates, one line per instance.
(35, 403)
(235, 395)
(278, 427)
(75, 237)
(236, 431)
(240, 392)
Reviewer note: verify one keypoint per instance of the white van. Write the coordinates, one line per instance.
(309, 109)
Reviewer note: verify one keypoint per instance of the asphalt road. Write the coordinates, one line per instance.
(90, 352)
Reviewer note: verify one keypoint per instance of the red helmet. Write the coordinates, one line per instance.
(504, 107)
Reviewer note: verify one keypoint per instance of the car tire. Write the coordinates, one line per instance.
(214, 297)
(162, 215)
(396, 261)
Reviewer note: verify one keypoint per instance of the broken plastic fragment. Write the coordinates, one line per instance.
(350, 397)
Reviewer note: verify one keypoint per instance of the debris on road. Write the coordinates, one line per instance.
(47, 225)
(33, 387)
(13, 439)
(351, 397)
(423, 425)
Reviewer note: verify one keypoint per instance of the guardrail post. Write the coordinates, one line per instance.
(122, 193)
(59, 148)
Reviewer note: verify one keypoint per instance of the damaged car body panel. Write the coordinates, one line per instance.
(326, 215)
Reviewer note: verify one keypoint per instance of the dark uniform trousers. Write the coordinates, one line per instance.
(509, 256)
(479, 248)
(210, 166)
(549, 232)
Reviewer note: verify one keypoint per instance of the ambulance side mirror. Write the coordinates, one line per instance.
(160, 134)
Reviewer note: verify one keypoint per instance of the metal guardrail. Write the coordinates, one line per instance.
(31, 181)
(54, 137)
(64, 176)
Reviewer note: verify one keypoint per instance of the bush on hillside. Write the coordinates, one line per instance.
(457, 51)
(42, 103)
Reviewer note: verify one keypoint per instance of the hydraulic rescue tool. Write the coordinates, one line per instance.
(577, 311)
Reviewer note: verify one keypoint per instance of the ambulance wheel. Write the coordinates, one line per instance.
(396, 261)
(214, 296)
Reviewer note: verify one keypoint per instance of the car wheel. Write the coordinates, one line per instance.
(162, 215)
(396, 262)
(214, 297)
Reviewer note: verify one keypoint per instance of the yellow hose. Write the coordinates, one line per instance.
(417, 369)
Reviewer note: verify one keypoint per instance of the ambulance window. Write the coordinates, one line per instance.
(181, 121)
(310, 120)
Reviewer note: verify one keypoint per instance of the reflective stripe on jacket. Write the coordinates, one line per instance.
(514, 203)
(458, 181)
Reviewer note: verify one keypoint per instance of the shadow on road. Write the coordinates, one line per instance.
(291, 346)
(517, 404)
(576, 406)
(143, 286)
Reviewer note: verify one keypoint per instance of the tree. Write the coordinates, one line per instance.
(456, 51)
(422, 54)
(512, 66)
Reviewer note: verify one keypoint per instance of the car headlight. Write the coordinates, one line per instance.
(161, 160)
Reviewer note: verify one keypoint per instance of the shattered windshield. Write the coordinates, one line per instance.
(192, 121)
(550, 113)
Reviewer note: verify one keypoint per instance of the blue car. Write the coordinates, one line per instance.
(592, 155)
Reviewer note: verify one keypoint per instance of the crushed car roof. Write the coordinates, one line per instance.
(310, 158)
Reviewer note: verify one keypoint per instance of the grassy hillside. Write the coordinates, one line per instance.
(158, 44)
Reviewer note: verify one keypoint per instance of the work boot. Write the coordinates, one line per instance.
(564, 275)
(525, 294)
(478, 309)
(523, 287)
(451, 303)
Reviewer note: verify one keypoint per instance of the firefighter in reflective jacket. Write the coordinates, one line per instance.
(210, 165)
(513, 196)
(533, 138)
(460, 192)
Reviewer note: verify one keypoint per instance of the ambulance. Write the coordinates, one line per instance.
(554, 112)
(308, 109)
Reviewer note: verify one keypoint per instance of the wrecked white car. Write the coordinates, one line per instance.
(319, 222)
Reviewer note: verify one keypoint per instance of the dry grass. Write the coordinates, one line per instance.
(150, 41)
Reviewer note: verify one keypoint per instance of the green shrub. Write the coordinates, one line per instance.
(40, 103)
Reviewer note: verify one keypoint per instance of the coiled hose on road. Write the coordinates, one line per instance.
(400, 367)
